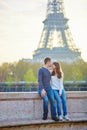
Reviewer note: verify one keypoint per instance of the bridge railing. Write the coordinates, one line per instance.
(33, 86)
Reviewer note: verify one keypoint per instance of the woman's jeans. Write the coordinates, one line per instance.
(49, 96)
(60, 99)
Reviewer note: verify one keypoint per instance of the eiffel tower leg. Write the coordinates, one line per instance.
(41, 40)
(64, 38)
(46, 38)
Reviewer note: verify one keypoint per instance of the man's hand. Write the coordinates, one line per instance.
(43, 93)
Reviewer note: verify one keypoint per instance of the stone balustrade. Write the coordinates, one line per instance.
(23, 111)
(28, 105)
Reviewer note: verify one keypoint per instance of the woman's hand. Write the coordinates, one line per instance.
(60, 95)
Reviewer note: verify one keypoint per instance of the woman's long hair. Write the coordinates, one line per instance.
(58, 70)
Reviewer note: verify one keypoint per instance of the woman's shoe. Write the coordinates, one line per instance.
(60, 118)
(66, 117)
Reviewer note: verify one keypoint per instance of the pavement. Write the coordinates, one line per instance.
(74, 118)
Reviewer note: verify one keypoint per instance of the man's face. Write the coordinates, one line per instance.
(49, 63)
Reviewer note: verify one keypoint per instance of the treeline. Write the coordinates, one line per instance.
(19, 71)
(22, 71)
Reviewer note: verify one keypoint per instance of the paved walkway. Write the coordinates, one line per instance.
(20, 122)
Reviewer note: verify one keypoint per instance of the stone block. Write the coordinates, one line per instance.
(38, 109)
(16, 109)
(30, 106)
(77, 105)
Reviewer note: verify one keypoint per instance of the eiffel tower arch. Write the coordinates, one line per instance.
(56, 40)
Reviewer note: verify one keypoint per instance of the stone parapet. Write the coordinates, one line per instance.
(28, 105)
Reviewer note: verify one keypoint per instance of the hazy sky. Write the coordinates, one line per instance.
(21, 26)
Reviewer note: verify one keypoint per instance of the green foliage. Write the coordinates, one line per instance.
(76, 73)
(29, 76)
(4, 70)
(9, 78)
(23, 71)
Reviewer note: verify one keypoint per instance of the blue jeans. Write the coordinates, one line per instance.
(59, 99)
(49, 96)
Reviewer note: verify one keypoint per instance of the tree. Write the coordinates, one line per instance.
(76, 73)
(28, 71)
(29, 76)
(4, 71)
(10, 78)
(20, 69)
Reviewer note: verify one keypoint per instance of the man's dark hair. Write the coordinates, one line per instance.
(47, 59)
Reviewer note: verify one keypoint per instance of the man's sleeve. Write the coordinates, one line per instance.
(40, 79)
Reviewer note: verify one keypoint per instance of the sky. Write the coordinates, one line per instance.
(21, 26)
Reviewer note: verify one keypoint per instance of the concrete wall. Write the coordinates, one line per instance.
(29, 105)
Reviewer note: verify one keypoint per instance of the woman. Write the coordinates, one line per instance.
(58, 89)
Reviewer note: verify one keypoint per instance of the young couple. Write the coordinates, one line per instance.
(51, 88)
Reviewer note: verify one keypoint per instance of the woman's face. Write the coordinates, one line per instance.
(54, 67)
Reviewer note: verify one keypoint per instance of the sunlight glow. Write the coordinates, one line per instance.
(21, 26)
(55, 40)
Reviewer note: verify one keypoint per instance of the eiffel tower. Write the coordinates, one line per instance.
(56, 40)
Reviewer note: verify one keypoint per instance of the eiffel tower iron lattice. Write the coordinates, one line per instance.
(56, 40)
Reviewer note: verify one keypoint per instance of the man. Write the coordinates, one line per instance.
(45, 89)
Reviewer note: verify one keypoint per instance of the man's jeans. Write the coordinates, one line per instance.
(59, 99)
(49, 96)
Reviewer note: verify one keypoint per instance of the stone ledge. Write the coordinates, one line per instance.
(74, 117)
(25, 109)
(27, 122)
(74, 125)
(34, 95)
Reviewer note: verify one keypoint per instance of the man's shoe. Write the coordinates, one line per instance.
(44, 118)
(55, 119)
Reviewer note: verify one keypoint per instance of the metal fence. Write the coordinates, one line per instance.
(31, 86)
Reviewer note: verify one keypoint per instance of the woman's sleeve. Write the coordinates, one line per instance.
(61, 84)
